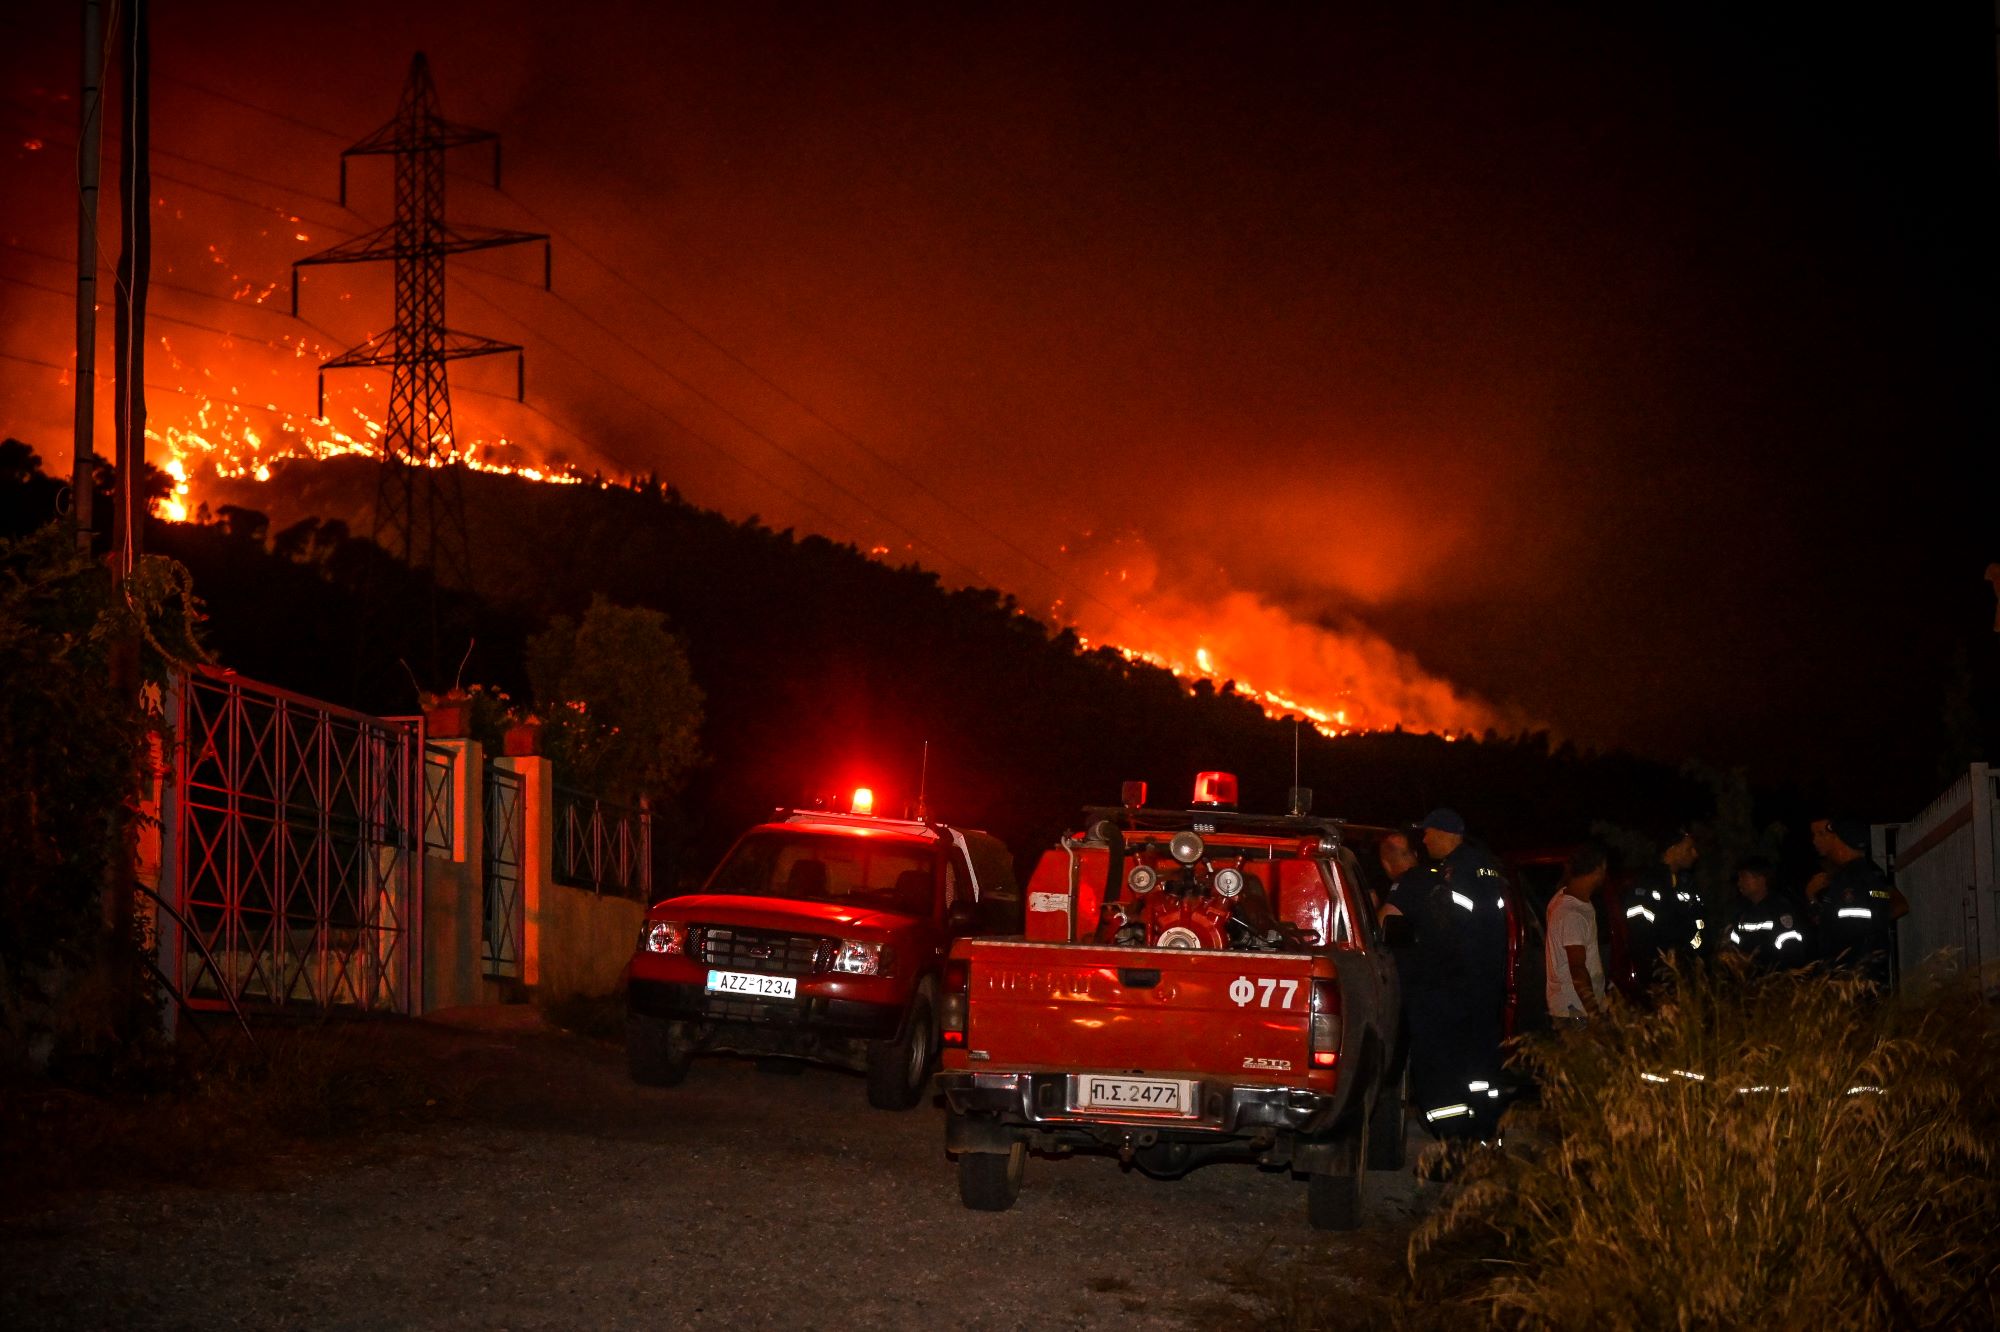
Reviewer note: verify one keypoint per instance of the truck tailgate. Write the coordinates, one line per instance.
(1152, 1010)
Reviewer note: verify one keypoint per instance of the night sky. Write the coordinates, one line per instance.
(1626, 370)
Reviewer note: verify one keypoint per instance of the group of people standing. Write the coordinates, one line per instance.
(1464, 935)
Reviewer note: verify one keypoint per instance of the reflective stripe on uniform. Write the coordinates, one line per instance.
(1447, 1112)
(1793, 935)
(1856, 913)
(1462, 900)
(1637, 911)
(1757, 925)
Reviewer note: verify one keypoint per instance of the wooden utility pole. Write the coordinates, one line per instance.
(135, 206)
(90, 127)
(135, 262)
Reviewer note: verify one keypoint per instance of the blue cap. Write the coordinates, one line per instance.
(1445, 821)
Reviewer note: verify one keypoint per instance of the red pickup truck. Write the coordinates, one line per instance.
(1193, 986)
(820, 936)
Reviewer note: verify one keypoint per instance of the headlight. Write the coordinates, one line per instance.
(858, 957)
(664, 936)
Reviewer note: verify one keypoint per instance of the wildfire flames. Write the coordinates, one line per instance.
(220, 440)
(1339, 681)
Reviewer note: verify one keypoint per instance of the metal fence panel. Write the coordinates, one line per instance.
(604, 847)
(500, 938)
(297, 848)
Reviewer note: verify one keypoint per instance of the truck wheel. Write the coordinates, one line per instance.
(1386, 1125)
(1334, 1201)
(899, 1070)
(654, 1052)
(991, 1181)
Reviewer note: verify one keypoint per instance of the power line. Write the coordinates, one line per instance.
(850, 437)
(969, 519)
(584, 361)
(726, 453)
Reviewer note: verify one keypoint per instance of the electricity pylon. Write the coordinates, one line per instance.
(420, 503)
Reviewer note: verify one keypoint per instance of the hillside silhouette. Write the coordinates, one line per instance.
(823, 669)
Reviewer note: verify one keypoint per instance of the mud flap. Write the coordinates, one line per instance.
(977, 1133)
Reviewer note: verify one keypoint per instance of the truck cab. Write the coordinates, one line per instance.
(820, 936)
(1192, 986)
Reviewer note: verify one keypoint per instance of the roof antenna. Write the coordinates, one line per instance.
(1295, 750)
(923, 779)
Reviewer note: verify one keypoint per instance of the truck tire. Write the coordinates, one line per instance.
(991, 1181)
(1387, 1127)
(654, 1051)
(899, 1070)
(1336, 1199)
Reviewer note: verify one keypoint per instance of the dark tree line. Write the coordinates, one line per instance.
(824, 669)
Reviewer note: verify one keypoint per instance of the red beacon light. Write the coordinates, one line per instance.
(1215, 790)
(864, 801)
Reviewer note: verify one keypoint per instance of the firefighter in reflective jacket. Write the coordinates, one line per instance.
(1766, 926)
(1455, 979)
(1855, 904)
(1663, 911)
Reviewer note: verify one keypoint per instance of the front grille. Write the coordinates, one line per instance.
(764, 951)
(736, 1008)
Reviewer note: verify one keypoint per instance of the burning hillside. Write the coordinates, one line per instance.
(1338, 680)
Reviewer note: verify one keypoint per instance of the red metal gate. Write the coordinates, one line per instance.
(294, 850)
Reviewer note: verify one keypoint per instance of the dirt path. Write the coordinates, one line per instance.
(560, 1196)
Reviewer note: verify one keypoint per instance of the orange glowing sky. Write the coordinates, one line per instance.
(1457, 369)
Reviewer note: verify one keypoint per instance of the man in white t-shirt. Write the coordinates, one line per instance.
(1576, 975)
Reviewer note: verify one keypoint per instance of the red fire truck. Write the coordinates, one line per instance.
(1194, 985)
(820, 936)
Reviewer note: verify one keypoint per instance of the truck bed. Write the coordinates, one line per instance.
(1243, 1016)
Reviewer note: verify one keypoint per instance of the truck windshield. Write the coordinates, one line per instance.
(848, 871)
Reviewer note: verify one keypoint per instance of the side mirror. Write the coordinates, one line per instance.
(1398, 931)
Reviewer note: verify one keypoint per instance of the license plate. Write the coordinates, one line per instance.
(1149, 1096)
(750, 983)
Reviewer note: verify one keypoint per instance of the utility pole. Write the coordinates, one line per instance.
(135, 263)
(420, 502)
(83, 481)
(135, 188)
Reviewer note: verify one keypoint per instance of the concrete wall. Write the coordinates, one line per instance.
(586, 940)
(574, 942)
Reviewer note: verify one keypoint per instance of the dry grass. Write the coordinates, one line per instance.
(1832, 1165)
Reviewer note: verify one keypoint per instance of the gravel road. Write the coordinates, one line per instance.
(558, 1195)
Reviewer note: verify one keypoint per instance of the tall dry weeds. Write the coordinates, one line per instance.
(1777, 1151)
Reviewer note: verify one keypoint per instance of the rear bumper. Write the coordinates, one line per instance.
(761, 1024)
(1039, 1102)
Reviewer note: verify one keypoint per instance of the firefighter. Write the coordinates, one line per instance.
(1765, 925)
(1854, 904)
(1398, 860)
(1663, 911)
(1456, 979)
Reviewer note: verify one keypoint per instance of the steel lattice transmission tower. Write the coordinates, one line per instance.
(420, 504)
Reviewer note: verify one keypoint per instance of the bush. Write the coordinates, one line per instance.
(1781, 1150)
(74, 765)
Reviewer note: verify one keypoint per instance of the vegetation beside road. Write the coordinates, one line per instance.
(1758, 1151)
